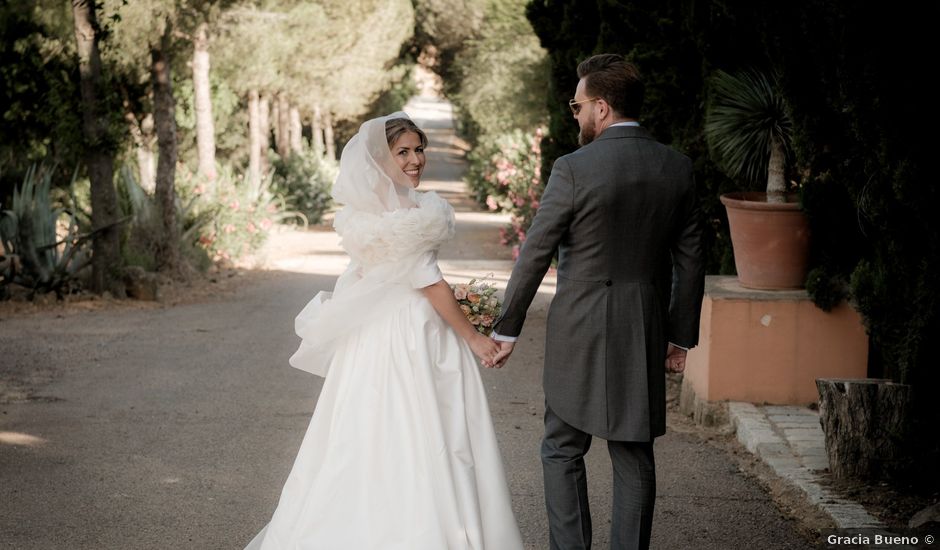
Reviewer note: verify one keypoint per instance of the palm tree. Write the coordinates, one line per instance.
(748, 129)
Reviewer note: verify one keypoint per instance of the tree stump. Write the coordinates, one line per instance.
(868, 427)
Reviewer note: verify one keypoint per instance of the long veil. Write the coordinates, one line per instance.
(385, 227)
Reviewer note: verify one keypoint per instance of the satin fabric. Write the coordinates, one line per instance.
(400, 453)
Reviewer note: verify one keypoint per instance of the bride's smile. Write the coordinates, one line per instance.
(408, 151)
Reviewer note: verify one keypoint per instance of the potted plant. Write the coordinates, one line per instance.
(748, 130)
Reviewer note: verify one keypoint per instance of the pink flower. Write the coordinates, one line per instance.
(460, 292)
(266, 223)
(473, 298)
(486, 320)
(491, 202)
(251, 228)
(229, 228)
(234, 205)
(465, 309)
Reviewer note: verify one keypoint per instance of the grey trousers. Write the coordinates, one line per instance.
(569, 517)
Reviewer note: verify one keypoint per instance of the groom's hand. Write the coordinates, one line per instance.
(675, 359)
(505, 350)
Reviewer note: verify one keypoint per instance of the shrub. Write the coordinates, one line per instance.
(305, 179)
(240, 214)
(504, 175)
(140, 242)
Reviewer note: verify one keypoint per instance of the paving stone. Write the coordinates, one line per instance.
(804, 437)
(783, 410)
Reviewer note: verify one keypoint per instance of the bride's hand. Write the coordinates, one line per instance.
(485, 348)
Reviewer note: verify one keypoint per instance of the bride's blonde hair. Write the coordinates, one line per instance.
(395, 127)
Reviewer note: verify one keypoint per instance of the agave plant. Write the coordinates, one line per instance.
(28, 232)
(748, 128)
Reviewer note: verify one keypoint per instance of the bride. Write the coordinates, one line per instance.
(400, 453)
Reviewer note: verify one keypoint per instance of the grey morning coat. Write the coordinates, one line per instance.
(621, 213)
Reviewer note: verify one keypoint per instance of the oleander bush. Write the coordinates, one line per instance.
(504, 174)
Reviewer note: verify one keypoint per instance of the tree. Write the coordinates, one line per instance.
(143, 42)
(164, 112)
(99, 155)
(503, 72)
(205, 128)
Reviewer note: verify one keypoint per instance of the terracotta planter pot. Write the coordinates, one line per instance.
(770, 240)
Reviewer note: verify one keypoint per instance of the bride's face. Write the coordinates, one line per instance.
(409, 154)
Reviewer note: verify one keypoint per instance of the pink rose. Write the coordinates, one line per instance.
(486, 320)
(460, 292)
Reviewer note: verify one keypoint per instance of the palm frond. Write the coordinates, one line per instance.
(746, 114)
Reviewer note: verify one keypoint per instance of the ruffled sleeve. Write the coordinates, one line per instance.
(426, 272)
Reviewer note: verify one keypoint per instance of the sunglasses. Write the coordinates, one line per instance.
(576, 105)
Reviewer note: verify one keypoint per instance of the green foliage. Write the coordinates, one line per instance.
(30, 231)
(502, 73)
(334, 54)
(230, 120)
(305, 181)
(39, 91)
(746, 115)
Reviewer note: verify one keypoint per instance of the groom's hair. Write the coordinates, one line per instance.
(617, 81)
(395, 127)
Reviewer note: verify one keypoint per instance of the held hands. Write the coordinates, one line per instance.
(484, 348)
(492, 354)
(675, 359)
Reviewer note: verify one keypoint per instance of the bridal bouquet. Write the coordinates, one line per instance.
(478, 301)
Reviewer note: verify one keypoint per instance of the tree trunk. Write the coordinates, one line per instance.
(328, 135)
(254, 138)
(283, 125)
(143, 134)
(264, 125)
(317, 131)
(867, 423)
(296, 131)
(205, 128)
(164, 113)
(106, 248)
(776, 180)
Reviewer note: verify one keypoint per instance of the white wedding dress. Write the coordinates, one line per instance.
(400, 453)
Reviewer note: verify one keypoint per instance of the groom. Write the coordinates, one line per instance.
(621, 214)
